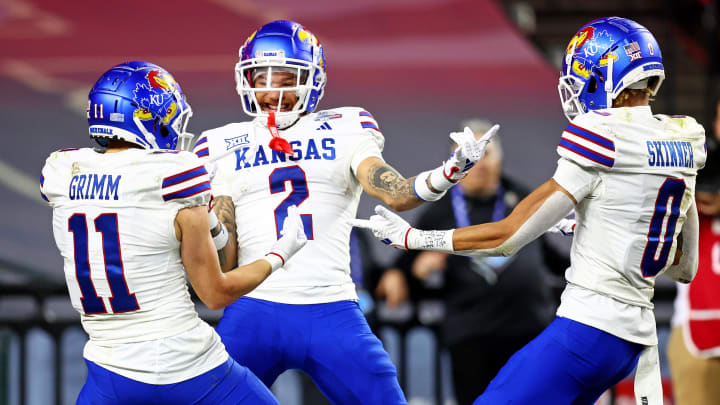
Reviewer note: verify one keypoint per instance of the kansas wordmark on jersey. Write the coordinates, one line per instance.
(319, 177)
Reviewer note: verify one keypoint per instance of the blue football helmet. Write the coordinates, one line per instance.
(604, 58)
(281, 46)
(140, 103)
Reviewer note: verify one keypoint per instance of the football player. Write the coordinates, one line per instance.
(127, 218)
(630, 176)
(308, 318)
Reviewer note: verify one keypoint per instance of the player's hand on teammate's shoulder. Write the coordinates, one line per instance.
(211, 168)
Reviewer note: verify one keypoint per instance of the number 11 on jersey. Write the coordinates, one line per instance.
(107, 225)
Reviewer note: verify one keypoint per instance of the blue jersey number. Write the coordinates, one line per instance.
(667, 211)
(107, 226)
(299, 193)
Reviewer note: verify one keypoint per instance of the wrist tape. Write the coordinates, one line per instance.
(221, 239)
(422, 191)
(276, 261)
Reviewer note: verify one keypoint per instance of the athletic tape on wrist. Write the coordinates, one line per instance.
(437, 241)
(221, 239)
(421, 189)
(276, 261)
(213, 219)
(439, 181)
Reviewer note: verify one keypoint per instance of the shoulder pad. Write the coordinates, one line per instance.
(689, 129)
(356, 117)
(201, 147)
(586, 143)
(57, 165)
(218, 140)
(682, 124)
(186, 180)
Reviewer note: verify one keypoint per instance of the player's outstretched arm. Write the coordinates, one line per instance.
(215, 288)
(383, 182)
(225, 211)
(533, 216)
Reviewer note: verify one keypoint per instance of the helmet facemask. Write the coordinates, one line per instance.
(569, 88)
(179, 126)
(272, 76)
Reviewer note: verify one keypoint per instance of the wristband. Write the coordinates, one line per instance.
(212, 219)
(421, 189)
(439, 181)
(438, 241)
(276, 261)
(222, 237)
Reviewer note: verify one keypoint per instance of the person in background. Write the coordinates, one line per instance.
(694, 346)
(493, 305)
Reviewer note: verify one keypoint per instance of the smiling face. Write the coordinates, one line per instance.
(270, 100)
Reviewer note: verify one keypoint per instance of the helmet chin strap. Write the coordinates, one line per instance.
(609, 83)
(285, 121)
(185, 141)
(150, 138)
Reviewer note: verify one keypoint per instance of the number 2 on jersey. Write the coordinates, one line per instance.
(107, 226)
(299, 193)
(667, 205)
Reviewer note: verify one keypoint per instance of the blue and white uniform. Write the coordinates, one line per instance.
(605, 319)
(305, 315)
(113, 223)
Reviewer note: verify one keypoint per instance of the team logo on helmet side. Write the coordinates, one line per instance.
(154, 94)
(577, 42)
(587, 43)
(307, 36)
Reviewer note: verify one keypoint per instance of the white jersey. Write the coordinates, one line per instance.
(113, 222)
(633, 175)
(319, 178)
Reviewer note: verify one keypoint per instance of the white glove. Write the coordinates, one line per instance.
(468, 152)
(293, 239)
(392, 230)
(387, 226)
(565, 226)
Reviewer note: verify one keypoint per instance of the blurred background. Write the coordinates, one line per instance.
(419, 66)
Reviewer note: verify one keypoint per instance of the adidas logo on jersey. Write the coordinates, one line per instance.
(325, 126)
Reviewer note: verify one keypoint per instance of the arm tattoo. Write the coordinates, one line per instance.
(385, 179)
(225, 210)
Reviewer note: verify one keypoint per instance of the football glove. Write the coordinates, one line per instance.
(293, 239)
(468, 152)
(387, 226)
(565, 226)
(392, 230)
